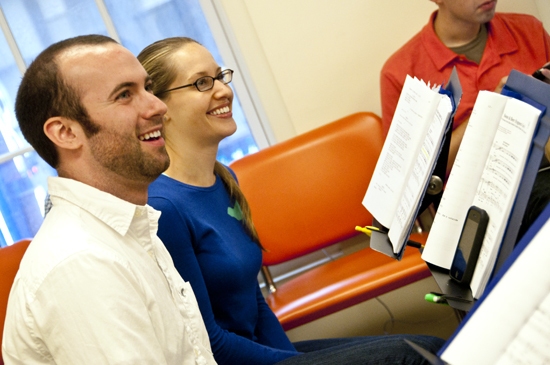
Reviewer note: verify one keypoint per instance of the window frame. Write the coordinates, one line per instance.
(242, 80)
(228, 48)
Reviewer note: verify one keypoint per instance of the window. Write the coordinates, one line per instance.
(29, 26)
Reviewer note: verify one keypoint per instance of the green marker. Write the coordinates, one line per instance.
(434, 298)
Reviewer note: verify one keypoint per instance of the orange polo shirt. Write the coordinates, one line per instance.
(514, 41)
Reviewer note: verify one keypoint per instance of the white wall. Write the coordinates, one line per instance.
(314, 61)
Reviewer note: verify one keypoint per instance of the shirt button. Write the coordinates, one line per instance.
(183, 291)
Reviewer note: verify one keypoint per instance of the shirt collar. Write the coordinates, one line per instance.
(115, 212)
(441, 55)
(500, 41)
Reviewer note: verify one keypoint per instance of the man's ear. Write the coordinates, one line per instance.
(64, 132)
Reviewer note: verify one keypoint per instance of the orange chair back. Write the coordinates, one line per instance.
(306, 193)
(10, 257)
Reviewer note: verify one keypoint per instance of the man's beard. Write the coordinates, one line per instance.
(123, 155)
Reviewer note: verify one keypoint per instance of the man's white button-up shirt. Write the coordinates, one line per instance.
(97, 286)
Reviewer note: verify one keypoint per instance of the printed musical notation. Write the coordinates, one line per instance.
(464, 179)
(490, 193)
(500, 180)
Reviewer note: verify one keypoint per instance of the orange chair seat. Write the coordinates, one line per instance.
(9, 264)
(341, 283)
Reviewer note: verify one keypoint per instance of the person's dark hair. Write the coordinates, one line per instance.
(236, 194)
(44, 93)
(157, 61)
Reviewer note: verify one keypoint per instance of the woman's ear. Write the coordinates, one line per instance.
(64, 133)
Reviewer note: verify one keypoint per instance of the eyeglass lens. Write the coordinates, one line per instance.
(207, 82)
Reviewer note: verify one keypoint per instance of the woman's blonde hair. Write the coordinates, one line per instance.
(156, 59)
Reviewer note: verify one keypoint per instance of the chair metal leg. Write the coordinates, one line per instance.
(268, 279)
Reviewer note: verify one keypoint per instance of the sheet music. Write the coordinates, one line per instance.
(514, 314)
(531, 345)
(499, 182)
(418, 179)
(415, 106)
(463, 180)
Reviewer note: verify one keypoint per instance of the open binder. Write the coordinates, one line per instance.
(510, 323)
(429, 189)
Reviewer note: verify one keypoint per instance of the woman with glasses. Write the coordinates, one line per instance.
(206, 226)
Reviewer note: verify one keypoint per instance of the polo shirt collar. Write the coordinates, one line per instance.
(499, 42)
(499, 45)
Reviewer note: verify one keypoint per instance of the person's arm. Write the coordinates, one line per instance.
(546, 73)
(543, 73)
(269, 330)
(228, 347)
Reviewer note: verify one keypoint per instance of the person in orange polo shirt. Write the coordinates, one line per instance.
(483, 45)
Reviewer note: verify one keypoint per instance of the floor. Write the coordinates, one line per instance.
(402, 311)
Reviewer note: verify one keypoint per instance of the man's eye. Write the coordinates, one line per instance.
(149, 88)
(124, 95)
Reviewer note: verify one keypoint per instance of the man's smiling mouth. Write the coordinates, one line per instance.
(150, 136)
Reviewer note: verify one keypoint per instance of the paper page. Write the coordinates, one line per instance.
(419, 176)
(532, 343)
(499, 182)
(463, 180)
(503, 313)
(407, 130)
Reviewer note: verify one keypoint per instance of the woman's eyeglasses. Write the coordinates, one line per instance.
(205, 83)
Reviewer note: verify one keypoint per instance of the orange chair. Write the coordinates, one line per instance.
(10, 257)
(305, 194)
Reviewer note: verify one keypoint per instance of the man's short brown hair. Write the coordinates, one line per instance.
(44, 93)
